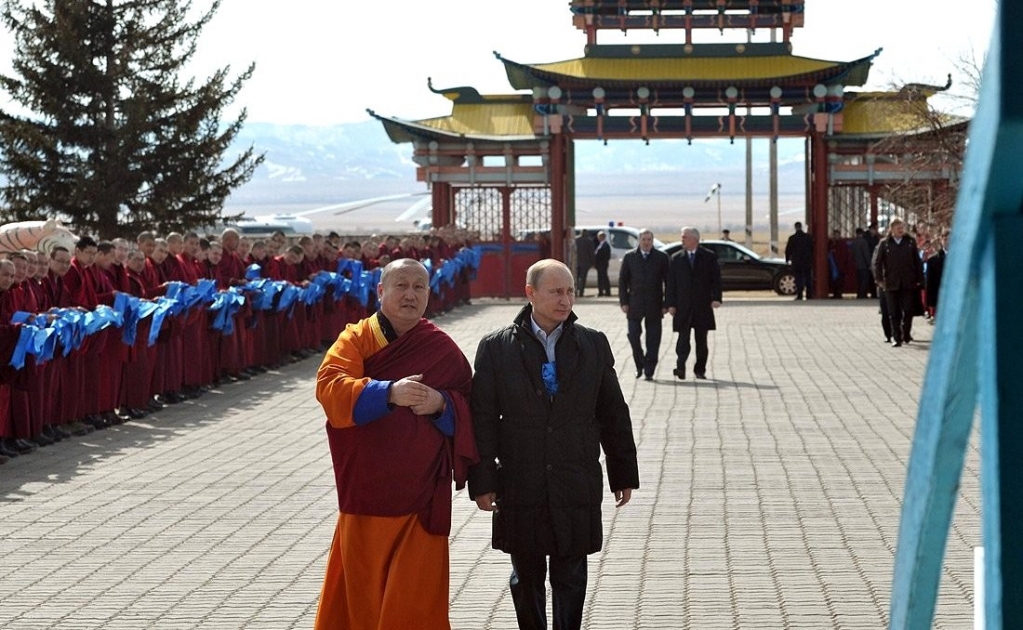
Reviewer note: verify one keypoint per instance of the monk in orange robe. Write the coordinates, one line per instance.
(395, 390)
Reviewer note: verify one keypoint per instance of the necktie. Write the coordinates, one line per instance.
(645, 254)
(692, 258)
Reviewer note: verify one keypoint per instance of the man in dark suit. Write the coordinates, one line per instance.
(641, 283)
(585, 252)
(799, 254)
(602, 258)
(899, 272)
(694, 291)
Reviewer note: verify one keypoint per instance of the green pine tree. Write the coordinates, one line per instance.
(114, 141)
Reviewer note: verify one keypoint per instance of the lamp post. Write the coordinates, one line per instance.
(715, 190)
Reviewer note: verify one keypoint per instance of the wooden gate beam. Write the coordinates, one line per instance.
(975, 354)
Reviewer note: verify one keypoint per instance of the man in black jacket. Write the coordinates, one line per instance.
(585, 254)
(799, 254)
(641, 283)
(694, 291)
(898, 271)
(601, 260)
(545, 400)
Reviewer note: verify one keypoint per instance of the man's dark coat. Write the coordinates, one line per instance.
(641, 283)
(692, 289)
(549, 480)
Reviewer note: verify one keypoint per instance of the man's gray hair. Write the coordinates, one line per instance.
(645, 231)
(536, 270)
(401, 263)
(691, 230)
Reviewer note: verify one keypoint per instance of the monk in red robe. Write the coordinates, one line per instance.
(10, 446)
(395, 390)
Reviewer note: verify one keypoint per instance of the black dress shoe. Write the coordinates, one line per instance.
(154, 404)
(679, 373)
(896, 344)
(79, 429)
(52, 433)
(24, 447)
(701, 376)
(136, 414)
(648, 377)
(96, 422)
(639, 372)
(7, 450)
(241, 376)
(62, 430)
(42, 439)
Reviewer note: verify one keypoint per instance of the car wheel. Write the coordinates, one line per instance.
(785, 283)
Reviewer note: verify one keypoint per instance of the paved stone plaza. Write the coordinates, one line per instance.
(770, 495)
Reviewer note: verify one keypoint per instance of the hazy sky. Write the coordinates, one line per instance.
(322, 62)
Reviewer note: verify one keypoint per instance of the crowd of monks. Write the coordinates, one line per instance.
(113, 330)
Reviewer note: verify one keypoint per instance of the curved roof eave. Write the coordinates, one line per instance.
(853, 73)
(400, 131)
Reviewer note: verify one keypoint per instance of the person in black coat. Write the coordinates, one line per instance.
(898, 270)
(641, 284)
(602, 259)
(585, 253)
(545, 401)
(799, 254)
(694, 291)
(932, 277)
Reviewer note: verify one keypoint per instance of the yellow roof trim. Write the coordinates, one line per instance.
(690, 68)
(486, 119)
(877, 116)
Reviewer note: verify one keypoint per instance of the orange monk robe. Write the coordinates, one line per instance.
(388, 564)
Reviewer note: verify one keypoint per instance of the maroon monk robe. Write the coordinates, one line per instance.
(361, 486)
(26, 419)
(67, 368)
(117, 273)
(229, 272)
(9, 334)
(138, 369)
(193, 333)
(80, 284)
(46, 396)
(112, 353)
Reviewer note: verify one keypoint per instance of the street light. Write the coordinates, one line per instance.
(715, 190)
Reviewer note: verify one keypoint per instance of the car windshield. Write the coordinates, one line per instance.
(739, 251)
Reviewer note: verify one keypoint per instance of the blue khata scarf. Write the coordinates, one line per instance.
(550, 377)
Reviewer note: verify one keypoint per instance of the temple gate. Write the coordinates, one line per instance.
(492, 147)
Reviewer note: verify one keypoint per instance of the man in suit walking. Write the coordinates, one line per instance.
(799, 254)
(585, 255)
(694, 291)
(899, 272)
(641, 283)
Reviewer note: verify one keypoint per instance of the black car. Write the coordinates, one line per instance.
(743, 270)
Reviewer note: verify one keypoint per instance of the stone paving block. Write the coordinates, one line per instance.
(770, 495)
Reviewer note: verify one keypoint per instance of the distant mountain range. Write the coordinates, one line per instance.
(316, 165)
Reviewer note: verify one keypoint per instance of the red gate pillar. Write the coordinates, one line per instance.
(819, 222)
(506, 239)
(441, 194)
(558, 163)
